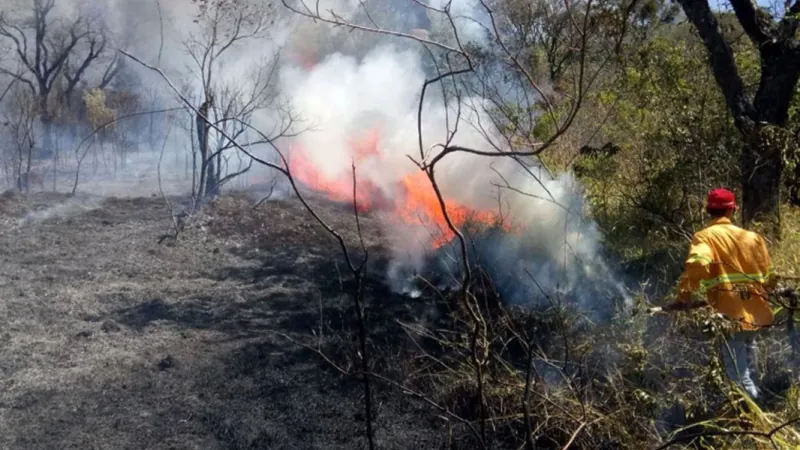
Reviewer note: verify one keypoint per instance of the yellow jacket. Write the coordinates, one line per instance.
(732, 267)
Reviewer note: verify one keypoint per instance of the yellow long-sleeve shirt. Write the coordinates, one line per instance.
(732, 267)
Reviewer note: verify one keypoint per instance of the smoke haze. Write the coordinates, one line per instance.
(558, 249)
(374, 82)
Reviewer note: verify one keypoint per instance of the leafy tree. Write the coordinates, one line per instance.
(666, 135)
(761, 117)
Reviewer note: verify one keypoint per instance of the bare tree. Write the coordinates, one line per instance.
(224, 25)
(123, 140)
(236, 106)
(20, 120)
(50, 50)
(99, 113)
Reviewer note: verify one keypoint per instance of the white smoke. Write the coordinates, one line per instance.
(376, 81)
(557, 248)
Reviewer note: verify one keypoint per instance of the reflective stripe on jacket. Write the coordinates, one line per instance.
(732, 268)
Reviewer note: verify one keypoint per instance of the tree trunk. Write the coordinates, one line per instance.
(211, 179)
(203, 146)
(194, 172)
(20, 172)
(219, 166)
(152, 132)
(206, 166)
(761, 163)
(766, 143)
(794, 183)
(218, 174)
(46, 150)
(28, 165)
(761, 122)
(56, 156)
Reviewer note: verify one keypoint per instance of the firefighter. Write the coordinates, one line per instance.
(732, 268)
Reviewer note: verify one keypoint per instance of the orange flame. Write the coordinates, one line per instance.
(306, 55)
(414, 201)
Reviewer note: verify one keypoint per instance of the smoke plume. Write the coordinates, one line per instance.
(345, 90)
(555, 248)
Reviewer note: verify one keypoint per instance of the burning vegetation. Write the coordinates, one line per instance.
(411, 202)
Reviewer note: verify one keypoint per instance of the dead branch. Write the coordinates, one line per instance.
(176, 224)
(269, 194)
(161, 32)
(403, 388)
(710, 433)
(80, 157)
(356, 269)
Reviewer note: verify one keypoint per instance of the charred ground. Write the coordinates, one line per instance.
(113, 341)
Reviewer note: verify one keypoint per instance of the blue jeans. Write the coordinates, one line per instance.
(740, 356)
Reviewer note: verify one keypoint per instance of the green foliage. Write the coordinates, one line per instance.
(549, 120)
(676, 141)
(96, 106)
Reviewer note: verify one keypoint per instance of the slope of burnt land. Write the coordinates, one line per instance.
(113, 341)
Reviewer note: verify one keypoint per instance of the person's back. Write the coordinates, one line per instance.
(735, 271)
(732, 268)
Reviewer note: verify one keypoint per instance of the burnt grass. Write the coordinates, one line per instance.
(110, 340)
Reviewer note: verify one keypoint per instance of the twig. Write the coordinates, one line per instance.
(103, 127)
(574, 436)
(269, 194)
(768, 435)
(356, 269)
(402, 387)
(358, 299)
(161, 31)
(177, 228)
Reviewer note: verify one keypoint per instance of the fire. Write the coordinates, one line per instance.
(413, 200)
(421, 206)
(305, 53)
(339, 188)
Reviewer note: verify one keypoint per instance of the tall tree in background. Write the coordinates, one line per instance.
(760, 118)
(222, 26)
(51, 50)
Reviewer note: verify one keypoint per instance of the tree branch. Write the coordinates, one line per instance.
(761, 434)
(283, 168)
(723, 64)
(754, 22)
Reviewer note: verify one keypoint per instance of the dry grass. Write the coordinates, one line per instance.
(636, 382)
(112, 341)
(786, 254)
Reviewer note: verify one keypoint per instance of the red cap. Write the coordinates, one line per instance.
(721, 199)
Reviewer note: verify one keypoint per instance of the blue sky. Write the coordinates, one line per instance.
(725, 4)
